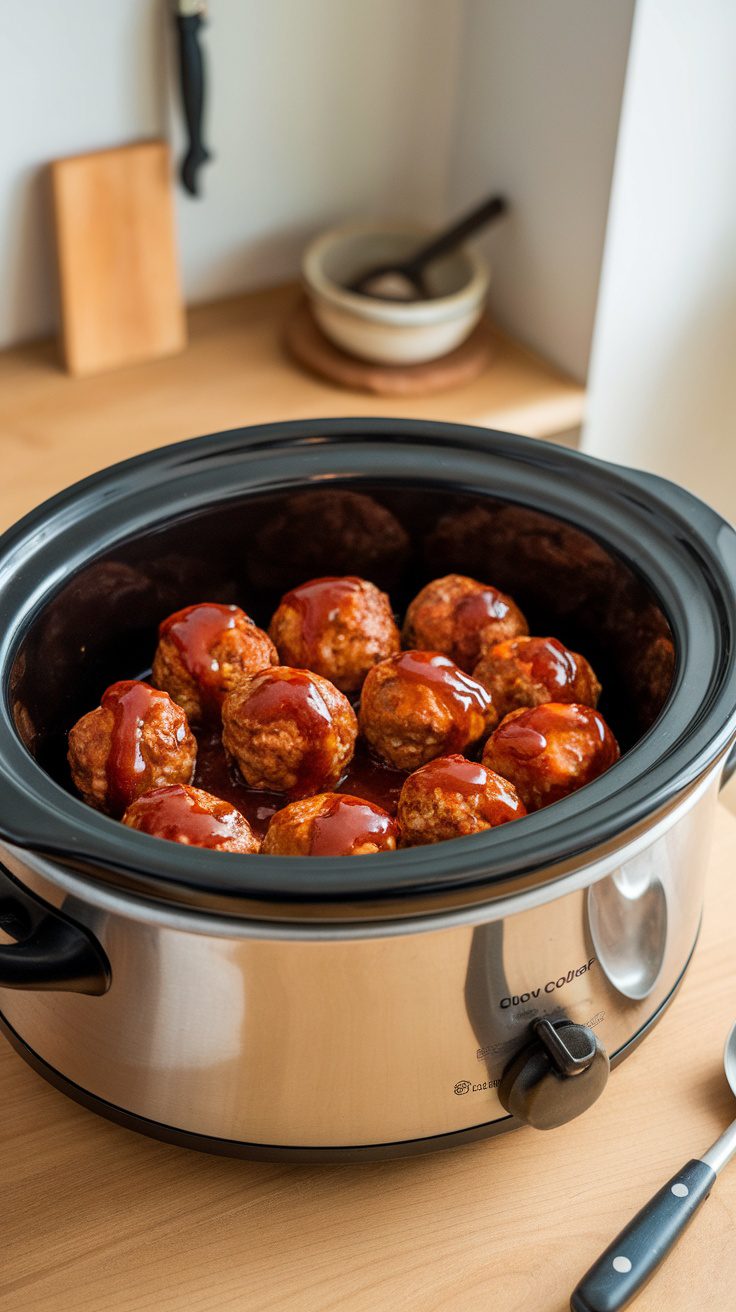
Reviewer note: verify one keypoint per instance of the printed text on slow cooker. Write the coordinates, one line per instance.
(517, 999)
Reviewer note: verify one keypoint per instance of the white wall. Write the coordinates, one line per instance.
(73, 76)
(323, 109)
(318, 109)
(540, 93)
(663, 378)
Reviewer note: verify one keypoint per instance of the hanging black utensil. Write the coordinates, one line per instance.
(190, 16)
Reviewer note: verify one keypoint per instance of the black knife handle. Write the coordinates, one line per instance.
(192, 92)
(622, 1271)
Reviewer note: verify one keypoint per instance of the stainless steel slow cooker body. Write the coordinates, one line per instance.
(263, 1005)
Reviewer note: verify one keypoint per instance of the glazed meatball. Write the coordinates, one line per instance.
(451, 797)
(189, 815)
(461, 618)
(202, 653)
(530, 671)
(549, 751)
(289, 730)
(419, 705)
(331, 824)
(136, 739)
(338, 627)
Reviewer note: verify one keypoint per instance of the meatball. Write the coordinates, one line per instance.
(289, 730)
(532, 553)
(451, 797)
(189, 815)
(461, 618)
(357, 535)
(136, 739)
(202, 653)
(419, 705)
(337, 627)
(549, 751)
(653, 671)
(641, 641)
(331, 824)
(530, 671)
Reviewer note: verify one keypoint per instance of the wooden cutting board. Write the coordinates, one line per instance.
(119, 281)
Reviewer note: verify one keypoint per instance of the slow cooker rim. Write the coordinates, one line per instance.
(119, 852)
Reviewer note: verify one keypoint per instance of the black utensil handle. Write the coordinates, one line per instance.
(623, 1270)
(492, 208)
(192, 91)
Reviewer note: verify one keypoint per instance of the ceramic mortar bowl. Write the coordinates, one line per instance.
(392, 332)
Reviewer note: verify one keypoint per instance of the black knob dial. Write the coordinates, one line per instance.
(558, 1075)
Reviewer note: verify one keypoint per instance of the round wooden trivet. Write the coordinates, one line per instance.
(307, 344)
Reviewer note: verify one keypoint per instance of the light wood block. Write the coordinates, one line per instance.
(119, 282)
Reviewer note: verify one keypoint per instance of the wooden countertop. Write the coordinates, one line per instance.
(55, 429)
(94, 1218)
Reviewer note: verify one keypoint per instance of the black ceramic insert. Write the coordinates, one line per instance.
(621, 566)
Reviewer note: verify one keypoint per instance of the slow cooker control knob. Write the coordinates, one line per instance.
(556, 1076)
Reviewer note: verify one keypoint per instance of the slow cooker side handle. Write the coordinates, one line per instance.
(51, 952)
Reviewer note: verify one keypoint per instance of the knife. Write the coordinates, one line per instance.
(190, 15)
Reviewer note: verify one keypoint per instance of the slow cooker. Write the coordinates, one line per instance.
(263, 1006)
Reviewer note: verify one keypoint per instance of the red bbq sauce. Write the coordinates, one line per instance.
(476, 609)
(483, 616)
(459, 693)
(550, 663)
(366, 777)
(375, 780)
(216, 774)
(130, 702)
(195, 631)
(348, 823)
(297, 698)
(455, 774)
(318, 601)
(525, 735)
(497, 799)
(174, 813)
(522, 740)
